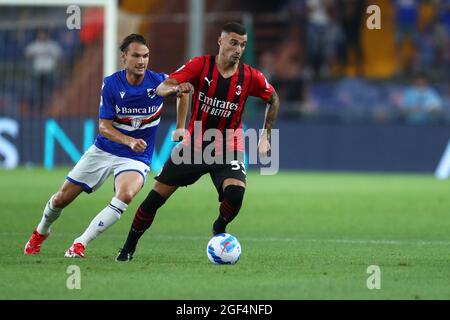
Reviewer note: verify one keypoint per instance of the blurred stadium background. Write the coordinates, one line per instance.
(352, 98)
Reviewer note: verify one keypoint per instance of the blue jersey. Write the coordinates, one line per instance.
(135, 111)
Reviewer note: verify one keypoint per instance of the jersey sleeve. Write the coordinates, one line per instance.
(260, 87)
(162, 76)
(190, 71)
(165, 76)
(106, 108)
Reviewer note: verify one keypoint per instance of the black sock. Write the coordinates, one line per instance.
(229, 207)
(132, 240)
(220, 225)
(143, 219)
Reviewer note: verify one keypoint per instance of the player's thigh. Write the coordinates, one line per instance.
(66, 194)
(232, 182)
(92, 170)
(164, 190)
(180, 175)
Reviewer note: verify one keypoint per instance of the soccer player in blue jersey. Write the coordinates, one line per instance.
(129, 114)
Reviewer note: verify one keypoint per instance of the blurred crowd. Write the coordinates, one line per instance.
(38, 56)
(325, 63)
(330, 66)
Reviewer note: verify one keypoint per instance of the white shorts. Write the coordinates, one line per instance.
(96, 165)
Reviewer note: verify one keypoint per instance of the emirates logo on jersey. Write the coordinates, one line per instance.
(217, 107)
(136, 122)
(238, 90)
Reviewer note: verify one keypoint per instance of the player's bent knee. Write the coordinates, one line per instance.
(126, 195)
(57, 200)
(68, 192)
(164, 190)
(233, 182)
(234, 195)
(61, 200)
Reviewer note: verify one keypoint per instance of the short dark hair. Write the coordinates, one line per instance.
(234, 27)
(130, 39)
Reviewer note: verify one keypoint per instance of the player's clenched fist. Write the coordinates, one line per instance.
(184, 87)
(137, 145)
(178, 134)
(264, 146)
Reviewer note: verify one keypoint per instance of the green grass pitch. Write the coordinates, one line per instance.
(303, 236)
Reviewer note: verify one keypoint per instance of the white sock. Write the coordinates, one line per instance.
(105, 219)
(48, 217)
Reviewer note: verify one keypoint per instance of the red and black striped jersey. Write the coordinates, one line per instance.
(219, 102)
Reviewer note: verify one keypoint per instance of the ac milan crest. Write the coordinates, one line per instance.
(238, 90)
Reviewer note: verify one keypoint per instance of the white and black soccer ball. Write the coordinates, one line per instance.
(223, 248)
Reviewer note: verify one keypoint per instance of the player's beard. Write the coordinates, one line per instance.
(234, 60)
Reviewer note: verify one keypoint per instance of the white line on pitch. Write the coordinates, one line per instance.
(271, 239)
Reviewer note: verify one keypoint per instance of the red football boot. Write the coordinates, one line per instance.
(33, 245)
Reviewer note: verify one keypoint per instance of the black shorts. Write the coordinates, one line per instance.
(186, 174)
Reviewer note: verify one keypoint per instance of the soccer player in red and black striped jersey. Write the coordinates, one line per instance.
(220, 85)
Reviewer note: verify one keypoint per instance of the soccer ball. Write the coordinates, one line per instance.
(223, 248)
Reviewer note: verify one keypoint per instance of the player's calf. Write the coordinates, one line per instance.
(233, 196)
(141, 222)
(101, 222)
(147, 211)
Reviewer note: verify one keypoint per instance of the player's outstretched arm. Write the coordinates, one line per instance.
(273, 104)
(107, 130)
(182, 110)
(171, 86)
